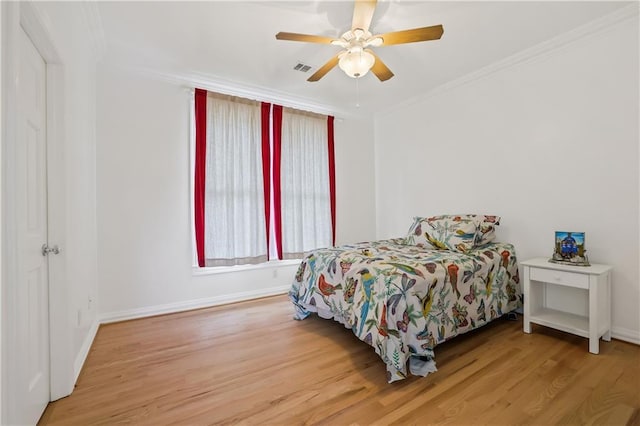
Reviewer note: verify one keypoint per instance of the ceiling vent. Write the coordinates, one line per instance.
(302, 67)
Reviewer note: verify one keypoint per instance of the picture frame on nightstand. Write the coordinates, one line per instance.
(569, 249)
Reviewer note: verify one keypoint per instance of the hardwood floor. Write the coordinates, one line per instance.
(251, 363)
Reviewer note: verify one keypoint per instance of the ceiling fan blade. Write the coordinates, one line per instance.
(324, 69)
(379, 68)
(304, 37)
(362, 14)
(412, 36)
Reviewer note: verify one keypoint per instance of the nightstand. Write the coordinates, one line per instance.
(539, 273)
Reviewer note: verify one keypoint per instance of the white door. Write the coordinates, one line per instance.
(30, 313)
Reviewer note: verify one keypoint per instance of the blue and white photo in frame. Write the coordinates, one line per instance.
(569, 248)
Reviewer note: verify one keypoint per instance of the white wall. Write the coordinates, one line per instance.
(355, 180)
(144, 228)
(71, 30)
(548, 144)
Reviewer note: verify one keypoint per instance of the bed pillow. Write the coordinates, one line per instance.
(487, 229)
(415, 236)
(455, 233)
(447, 232)
(486, 232)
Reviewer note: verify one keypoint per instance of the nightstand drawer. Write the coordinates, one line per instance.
(571, 279)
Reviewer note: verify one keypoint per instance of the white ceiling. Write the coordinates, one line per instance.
(234, 41)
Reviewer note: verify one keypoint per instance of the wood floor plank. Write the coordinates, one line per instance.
(251, 363)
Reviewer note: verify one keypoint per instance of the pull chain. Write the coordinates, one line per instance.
(357, 93)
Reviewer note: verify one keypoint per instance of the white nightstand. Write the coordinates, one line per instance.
(595, 279)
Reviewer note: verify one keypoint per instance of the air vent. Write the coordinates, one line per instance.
(302, 67)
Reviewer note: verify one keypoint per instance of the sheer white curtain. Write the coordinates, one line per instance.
(235, 231)
(306, 205)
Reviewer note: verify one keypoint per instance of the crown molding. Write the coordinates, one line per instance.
(536, 52)
(32, 14)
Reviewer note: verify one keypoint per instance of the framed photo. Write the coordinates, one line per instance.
(570, 248)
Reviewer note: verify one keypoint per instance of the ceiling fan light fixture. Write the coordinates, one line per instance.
(340, 42)
(355, 58)
(348, 36)
(374, 42)
(356, 62)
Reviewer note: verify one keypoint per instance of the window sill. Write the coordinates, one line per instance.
(196, 271)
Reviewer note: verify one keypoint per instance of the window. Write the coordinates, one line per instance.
(235, 140)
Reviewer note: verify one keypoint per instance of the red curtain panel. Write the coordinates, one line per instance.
(200, 170)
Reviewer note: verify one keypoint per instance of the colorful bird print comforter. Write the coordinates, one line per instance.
(403, 300)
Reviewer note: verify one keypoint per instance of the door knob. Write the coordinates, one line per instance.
(46, 249)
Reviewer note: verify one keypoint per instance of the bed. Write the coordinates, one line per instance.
(404, 296)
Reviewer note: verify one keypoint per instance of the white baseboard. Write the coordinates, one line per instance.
(188, 305)
(631, 336)
(84, 350)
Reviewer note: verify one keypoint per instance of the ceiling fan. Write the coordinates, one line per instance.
(357, 58)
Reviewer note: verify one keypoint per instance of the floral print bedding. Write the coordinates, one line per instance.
(404, 299)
